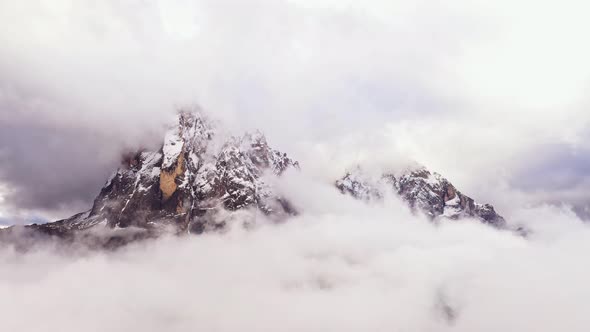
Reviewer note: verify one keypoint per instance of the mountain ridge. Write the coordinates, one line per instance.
(199, 177)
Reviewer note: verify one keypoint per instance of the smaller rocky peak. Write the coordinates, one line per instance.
(424, 191)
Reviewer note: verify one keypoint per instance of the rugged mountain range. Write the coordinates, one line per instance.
(199, 178)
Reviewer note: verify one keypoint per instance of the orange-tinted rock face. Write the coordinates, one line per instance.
(169, 178)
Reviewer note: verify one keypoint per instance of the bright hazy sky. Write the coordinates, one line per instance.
(493, 95)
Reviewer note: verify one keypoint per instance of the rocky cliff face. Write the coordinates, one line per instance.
(423, 191)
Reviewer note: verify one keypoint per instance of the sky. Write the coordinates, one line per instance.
(493, 95)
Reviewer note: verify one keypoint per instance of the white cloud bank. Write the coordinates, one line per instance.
(340, 266)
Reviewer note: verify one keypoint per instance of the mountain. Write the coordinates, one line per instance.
(196, 175)
(200, 179)
(188, 185)
(424, 191)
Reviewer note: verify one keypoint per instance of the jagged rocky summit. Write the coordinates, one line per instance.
(201, 178)
(424, 191)
(189, 184)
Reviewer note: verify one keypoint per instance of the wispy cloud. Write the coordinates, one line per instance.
(340, 265)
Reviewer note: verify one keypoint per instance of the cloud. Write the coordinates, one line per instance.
(32, 169)
(485, 84)
(340, 265)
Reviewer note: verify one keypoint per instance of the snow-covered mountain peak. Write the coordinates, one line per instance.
(198, 171)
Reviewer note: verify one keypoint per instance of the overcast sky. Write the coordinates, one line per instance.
(493, 95)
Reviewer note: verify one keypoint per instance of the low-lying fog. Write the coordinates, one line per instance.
(341, 265)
